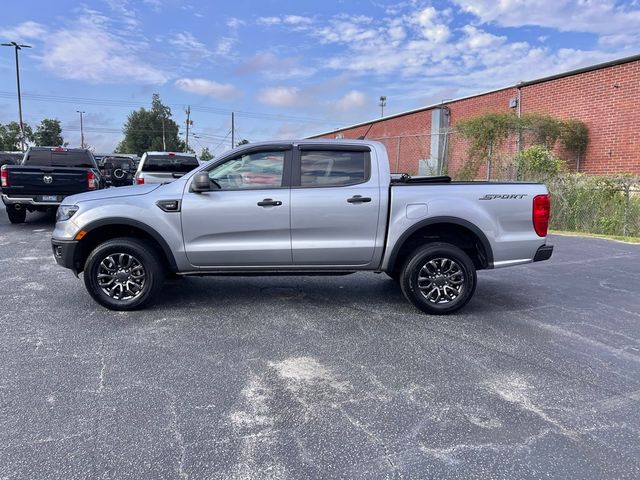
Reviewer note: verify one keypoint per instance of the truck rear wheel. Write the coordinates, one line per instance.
(16, 216)
(438, 278)
(123, 274)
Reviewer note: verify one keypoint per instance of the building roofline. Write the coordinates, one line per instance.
(577, 71)
(414, 110)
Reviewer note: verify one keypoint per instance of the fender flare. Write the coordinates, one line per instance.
(442, 219)
(141, 226)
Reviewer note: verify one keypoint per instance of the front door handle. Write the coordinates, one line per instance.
(267, 202)
(358, 199)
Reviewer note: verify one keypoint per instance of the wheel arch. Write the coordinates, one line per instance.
(456, 231)
(108, 228)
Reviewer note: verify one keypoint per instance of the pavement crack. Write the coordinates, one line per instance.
(179, 439)
(372, 436)
(101, 377)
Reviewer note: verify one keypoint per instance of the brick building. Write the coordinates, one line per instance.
(606, 97)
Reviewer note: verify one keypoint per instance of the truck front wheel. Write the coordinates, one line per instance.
(123, 274)
(438, 278)
(16, 216)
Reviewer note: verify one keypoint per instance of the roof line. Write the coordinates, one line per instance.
(569, 73)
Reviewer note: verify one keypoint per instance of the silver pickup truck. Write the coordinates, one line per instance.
(302, 207)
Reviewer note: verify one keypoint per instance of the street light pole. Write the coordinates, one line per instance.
(17, 47)
(382, 103)
(81, 129)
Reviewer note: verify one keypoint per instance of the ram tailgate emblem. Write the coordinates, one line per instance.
(506, 196)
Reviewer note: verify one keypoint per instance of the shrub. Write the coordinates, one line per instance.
(538, 163)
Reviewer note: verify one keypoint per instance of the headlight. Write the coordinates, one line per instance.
(65, 212)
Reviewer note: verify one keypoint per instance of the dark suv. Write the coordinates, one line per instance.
(117, 171)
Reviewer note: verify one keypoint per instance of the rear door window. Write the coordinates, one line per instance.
(169, 163)
(48, 158)
(326, 168)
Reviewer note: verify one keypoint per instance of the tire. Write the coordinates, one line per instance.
(447, 278)
(126, 268)
(16, 216)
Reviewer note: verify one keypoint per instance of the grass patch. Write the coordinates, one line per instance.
(619, 238)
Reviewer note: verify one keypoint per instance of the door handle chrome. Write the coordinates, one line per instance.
(267, 202)
(358, 199)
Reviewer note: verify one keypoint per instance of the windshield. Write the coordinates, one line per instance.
(169, 163)
(48, 158)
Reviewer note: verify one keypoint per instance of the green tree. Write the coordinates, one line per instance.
(49, 133)
(574, 137)
(144, 130)
(244, 141)
(206, 155)
(10, 136)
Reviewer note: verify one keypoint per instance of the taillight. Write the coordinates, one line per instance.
(140, 181)
(4, 175)
(91, 181)
(541, 211)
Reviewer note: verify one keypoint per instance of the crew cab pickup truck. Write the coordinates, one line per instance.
(45, 177)
(301, 207)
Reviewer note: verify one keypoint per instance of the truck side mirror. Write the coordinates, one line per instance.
(201, 183)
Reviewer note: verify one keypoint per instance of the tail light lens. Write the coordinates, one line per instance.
(91, 181)
(4, 175)
(140, 181)
(541, 212)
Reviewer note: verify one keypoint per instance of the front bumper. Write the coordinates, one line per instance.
(64, 252)
(543, 253)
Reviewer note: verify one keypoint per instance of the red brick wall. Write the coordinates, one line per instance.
(607, 100)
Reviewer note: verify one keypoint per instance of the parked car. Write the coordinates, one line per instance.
(163, 167)
(117, 171)
(10, 158)
(308, 207)
(45, 177)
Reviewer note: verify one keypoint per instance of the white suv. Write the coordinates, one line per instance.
(164, 167)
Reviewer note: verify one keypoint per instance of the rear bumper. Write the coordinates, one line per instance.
(543, 253)
(7, 200)
(64, 252)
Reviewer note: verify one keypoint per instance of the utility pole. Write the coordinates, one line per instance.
(188, 112)
(17, 47)
(164, 141)
(382, 103)
(233, 130)
(81, 129)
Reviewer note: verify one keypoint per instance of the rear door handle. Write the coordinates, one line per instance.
(358, 199)
(267, 202)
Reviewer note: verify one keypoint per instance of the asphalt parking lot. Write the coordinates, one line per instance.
(321, 377)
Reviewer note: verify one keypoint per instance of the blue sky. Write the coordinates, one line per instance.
(289, 68)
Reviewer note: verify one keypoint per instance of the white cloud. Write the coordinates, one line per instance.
(432, 28)
(353, 100)
(281, 96)
(274, 67)
(269, 21)
(296, 20)
(24, 31)
(211, 88)
(595, 16)
(93, 51)
(188, 43)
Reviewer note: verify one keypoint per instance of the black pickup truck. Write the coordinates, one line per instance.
(45, 177)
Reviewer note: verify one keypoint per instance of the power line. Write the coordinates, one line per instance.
(124, 103)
